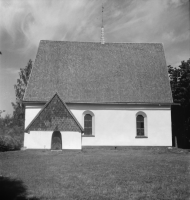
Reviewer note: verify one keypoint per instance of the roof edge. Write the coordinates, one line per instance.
(33, 65)
(129, 103)
(100, 42)
(76, 121)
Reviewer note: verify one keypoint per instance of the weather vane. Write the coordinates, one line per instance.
(102, 28)
(102, 15)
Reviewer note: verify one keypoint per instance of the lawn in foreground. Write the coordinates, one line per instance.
(130, 173)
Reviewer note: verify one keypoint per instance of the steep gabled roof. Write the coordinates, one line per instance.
(94, 73)
(55, 115)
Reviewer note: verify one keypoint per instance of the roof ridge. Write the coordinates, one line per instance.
(100, 43)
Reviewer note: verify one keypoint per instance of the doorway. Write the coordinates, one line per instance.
(56, 141)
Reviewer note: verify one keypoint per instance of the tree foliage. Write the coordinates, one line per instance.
(20, 87)
(180, 85)
(6, 122)
(12, 127)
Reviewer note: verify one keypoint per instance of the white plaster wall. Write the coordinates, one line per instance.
(116, 125)
(38, 140)
(42, 139)
(71, 140)
(30, 113)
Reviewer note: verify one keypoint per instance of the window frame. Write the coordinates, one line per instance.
(88, 124)
(145, 125)
(93, 123)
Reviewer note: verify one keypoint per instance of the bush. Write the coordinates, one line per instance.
(8, 143)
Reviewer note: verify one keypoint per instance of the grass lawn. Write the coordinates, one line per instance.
(125, 173)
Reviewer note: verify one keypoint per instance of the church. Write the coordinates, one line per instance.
(98, 94)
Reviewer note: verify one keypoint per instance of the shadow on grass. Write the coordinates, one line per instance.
(13, 189)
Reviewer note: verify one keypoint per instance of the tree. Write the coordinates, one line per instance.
(11, 127)
(6, 123)
(1, 111)
(180, 85)
(20, 87)
(1, 121)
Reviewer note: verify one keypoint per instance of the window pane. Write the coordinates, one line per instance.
(140, 118)
(140, 125)
(88, 131)
(88, 117)
(140, 131)
(88, 124)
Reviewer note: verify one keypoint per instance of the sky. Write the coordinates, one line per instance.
(23, 23)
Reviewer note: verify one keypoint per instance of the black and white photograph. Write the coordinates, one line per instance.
(94, 99)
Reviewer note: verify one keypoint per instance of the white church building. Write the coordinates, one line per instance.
(98, 94)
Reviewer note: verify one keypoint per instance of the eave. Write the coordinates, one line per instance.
(107, 103)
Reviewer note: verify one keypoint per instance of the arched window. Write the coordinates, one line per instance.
(140, 125)
(88, 119)
(88, 124)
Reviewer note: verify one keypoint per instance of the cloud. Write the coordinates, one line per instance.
(47, 19)
(151, 21)
(29, 21)
(23, 23)
(12, 71)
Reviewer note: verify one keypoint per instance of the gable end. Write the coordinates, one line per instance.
(54, 116)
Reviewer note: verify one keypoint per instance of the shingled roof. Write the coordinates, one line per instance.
(94, 73)
(55, 115)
